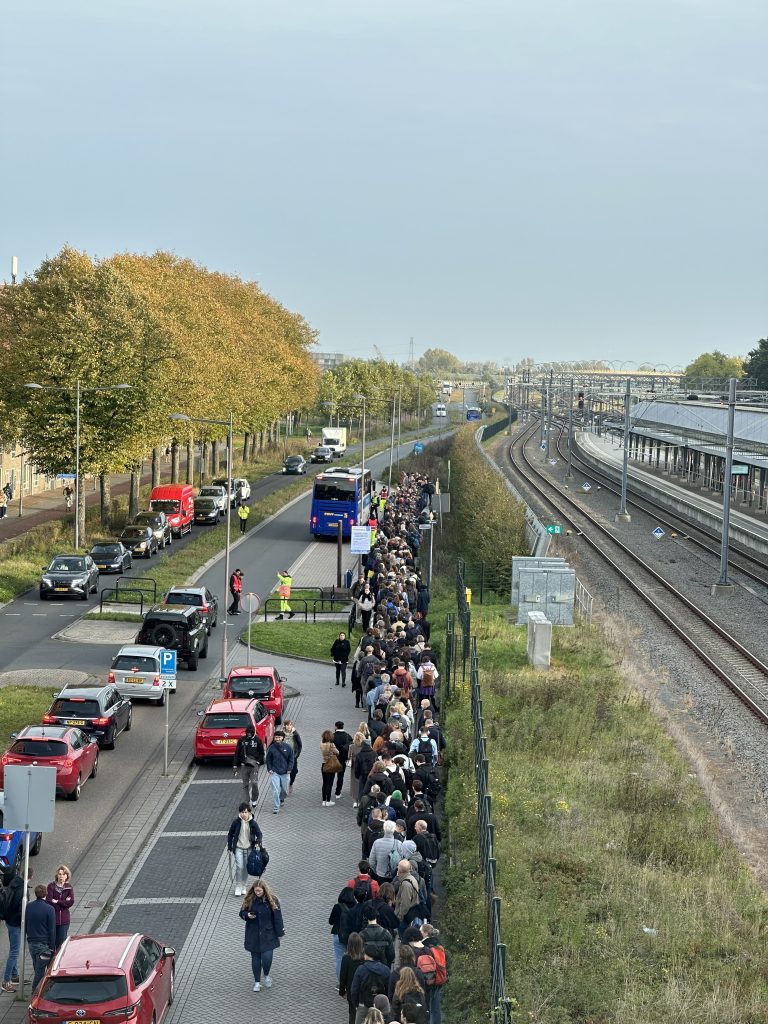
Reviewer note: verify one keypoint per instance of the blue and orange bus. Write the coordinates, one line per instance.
(340, 495)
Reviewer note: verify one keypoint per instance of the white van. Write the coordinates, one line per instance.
(440, 410)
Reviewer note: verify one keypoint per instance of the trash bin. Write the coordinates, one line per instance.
(348, 577)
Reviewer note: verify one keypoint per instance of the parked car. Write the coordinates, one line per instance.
(111, 556)
(69, 576)
(74, 755)
(223, 723)
(12, 849)
(218, 493)
(159, 524)
(140, 541)
(241, 489)
(201, 598)
(106, 977)
(207, 511)
(178, 628)
(176, 501)
(321, 454)
(96, 708)
(295, 464)
(135, 672)
(265, 684)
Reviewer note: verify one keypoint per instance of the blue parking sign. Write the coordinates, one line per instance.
(168, 663)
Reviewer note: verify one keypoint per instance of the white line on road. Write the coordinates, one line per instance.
(14, 613)
(139, 902)
(185, 835)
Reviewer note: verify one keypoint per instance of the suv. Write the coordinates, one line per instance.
(158, 524)
(140, 541)
(241, 489)
(197, 597)
(179, 628)
(96, 708)
(218, 493)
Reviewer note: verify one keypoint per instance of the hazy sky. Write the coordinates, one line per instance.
(502, 178)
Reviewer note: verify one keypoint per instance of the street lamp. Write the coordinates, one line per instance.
(78, 390)
(361, 398)
(180, 416)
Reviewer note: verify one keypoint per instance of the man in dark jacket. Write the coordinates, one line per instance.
(280, 760)
(249, 757)
(12, 917)
(40, 924)
(377, 937)
(371, 979)
(342, 741)
(420, 813)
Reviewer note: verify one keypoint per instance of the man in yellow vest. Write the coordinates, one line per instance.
(285, 583)
(242, 513)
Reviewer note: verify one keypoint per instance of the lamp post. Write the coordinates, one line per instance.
(78, 391)
(228, 424)
(392, 440)
(399, 420)
(361, 398)
(622, 516)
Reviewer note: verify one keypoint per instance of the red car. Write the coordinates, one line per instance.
(74, 755)
(265, 684)
(225, 721)
(106, 978)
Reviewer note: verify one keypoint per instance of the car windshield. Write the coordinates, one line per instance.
(293, 460)
(134, 531)
(64, 708)
(67, 565)
(205, 503)
(322, 451)
(335, 490)
(105, 549)
(251, 686)
(127, 663)
(40, 748)
(226, 720)
(165, 505)
(211, 492)
(92, 988)
(174, 597)
(149, 518)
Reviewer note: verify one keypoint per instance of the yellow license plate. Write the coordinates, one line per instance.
(62, 590)
(75, 721)
(134, 679)
(101, 565)
(225, 743)
(83, 1022)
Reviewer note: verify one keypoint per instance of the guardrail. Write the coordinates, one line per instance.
(273, 604)
(117, 592)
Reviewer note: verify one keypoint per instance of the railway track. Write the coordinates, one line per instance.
(745, 675)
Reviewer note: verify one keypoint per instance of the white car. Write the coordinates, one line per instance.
(135, 672)
(241, 489)
(218, 493)
(440, 410)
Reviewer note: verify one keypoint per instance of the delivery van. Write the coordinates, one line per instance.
(177, 501)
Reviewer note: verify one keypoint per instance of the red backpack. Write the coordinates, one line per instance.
(441, 973)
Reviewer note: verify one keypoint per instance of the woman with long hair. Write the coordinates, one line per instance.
(263, 930)
(409, 998)
(351, 960)
(330, 755)
(354, 749)
(61, 897)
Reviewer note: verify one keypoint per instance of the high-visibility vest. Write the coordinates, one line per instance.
(243, 511)
(284, 590)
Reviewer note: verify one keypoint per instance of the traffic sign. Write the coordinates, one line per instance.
(553, 462)
(252, 603)
(167, 663)
(66, 476)
(418, 448)
(586, 487)
(554, 528)
(543, 445)
(658, 533)
(360, 540)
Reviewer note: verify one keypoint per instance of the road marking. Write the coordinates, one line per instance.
(185, 835)
(215, 782)
(140, 902)
(43, 615)
(14, 613)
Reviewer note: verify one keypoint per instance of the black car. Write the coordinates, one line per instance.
(207, 511)
(140, 541)
(295, 464)
(111, 556)
(201, 598)
(96, 708)
(321, 454)
(158, 524)
(69, 576)
(178, 628)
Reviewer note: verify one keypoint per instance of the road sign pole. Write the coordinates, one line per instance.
(167, 724)
(723, 583)
(569, 473)
(22, 936)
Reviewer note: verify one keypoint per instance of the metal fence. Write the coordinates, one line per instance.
(583, 602)
(464, 615)
(491, 429)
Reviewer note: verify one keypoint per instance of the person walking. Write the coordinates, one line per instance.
(40, 927)
(68, 496)
(249, 757)
(371, 979)
(243, 511)
(340, 652)
(293, 740)
(244, 833)
(351, 960)
(263, 930)
(3, 504)
(235, 589)
(409, 1001)
(61, 897)
(342, 741)
(285, 582)
(340, 920)
(330, 766)
(280, 761)
(12, 917)
(366, 602)
(8, 491)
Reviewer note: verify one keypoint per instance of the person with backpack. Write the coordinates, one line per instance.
(363, 885)
(419, 812)
(410, 1000)
(427, 676)
(340, 651)
(429, 848)
(371, 979)
(244, 833)
(424, 744)
(427, 775)
(352, 959)
(431, 940)
(385, 854)
(377, 937)
(407, 904)
(341, 922)
(263, 930)
(342, 741)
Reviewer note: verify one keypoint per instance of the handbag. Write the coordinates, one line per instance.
(258, 858)
(332, 765)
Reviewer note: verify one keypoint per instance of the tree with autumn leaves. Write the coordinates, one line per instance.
(184, 338)
(380, 382)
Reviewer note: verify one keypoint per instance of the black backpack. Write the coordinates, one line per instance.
(425, 748)
(362, 889)
(416, 1011)
(431, 848)
(372, 985)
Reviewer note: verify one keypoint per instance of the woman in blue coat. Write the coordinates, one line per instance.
(263, 930)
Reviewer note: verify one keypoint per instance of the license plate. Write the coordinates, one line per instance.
(101, 565)
(134, 679)
(74, 721)
(225, 743)
(82, 1022)
(62, 590)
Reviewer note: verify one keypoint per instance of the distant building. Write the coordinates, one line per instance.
(330, 360)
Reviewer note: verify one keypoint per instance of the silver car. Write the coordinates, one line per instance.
(218, 493)
(135, 672)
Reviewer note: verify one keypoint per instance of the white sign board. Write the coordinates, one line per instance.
(360, 540)
(30, 798)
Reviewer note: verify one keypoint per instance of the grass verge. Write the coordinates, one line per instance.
(305, 639)
(115, 616)
(22, 705)
(622, 902)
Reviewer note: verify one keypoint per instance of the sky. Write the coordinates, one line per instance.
(500, 178)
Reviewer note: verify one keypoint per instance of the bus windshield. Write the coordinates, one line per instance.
(335, 490)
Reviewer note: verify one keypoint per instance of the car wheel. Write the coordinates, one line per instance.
(215, 622)
(95, 768)
(43, 597)
(129, 722)
(192, 662)
(111, 738)
(172, 990)
(86, 594)
(161, 701)
(149, 553)
(75, 794)
(37, 845)
(204, 652)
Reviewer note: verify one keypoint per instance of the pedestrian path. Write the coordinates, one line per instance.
(180, 888)
(317, 566)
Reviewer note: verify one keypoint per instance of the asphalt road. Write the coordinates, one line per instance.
(27, 643)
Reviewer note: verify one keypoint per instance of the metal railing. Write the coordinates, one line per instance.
(502, 1006)
(272, 604)
(584, 602)
(117, 598)
(143, 583)
(491, 429)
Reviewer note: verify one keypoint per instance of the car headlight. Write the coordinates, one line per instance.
(47, 581)
(140, 547)
(80, 581)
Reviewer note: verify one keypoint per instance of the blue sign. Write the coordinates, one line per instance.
(167, 663)
(66, 476)
(418, 448)
(658, 533)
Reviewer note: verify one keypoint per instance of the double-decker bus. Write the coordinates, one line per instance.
(473, 413)
(340, 495)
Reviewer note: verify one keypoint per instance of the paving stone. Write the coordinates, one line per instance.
(170, 923)
(177, 867)
(207, 807)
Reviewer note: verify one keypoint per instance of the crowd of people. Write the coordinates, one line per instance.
(46, 922)
(390, 963)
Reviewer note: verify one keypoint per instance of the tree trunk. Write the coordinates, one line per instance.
(204, 462)
(106, 502)
(215, 457)
(80, 512)
(157, 454)
(174, 461)
(246, 445)
(190, 462)
(133, 497)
